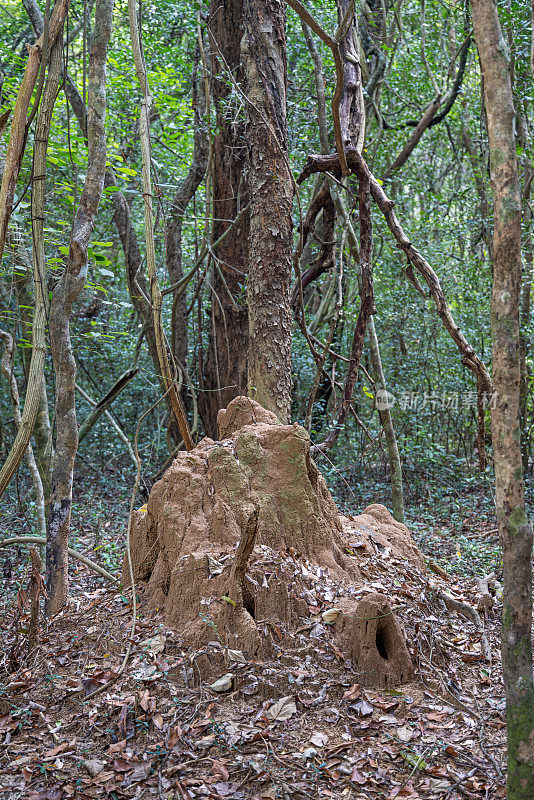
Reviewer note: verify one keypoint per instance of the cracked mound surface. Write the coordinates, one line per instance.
(184, 540)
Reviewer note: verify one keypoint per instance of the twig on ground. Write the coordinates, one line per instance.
(468, 612)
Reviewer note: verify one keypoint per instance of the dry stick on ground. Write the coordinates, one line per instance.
(37, 590)
(155, 291)
(7, 369)
(451, 698)
(318, 163)
(40, 540)
(468, 612)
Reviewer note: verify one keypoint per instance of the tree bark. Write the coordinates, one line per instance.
(25, 292)
(64, 296)
(182, 198)
(514, 527)
(271, 194)
(6, 367)
(525, 305)
(224, 374)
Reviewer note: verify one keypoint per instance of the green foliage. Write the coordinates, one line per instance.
(436, 200)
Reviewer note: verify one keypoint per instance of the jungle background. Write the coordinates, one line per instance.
(410, 53)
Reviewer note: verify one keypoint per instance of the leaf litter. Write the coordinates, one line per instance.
(299, 726)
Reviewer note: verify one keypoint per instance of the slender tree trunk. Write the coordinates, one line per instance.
(526, 291)
(271, 194)
(224, 374)
(33, 399)
(25, 301)
(185, 193)
(397, 499)
(64, 296)
(514, 526)
(138, 288)
(6, 367)
(17, 140)
(156, 297)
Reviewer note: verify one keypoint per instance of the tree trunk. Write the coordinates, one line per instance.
(34, 389)
(271, 194)
(64, 296)
(514, 526)
(526, 292)
(6, 367)
(185, 193)
(25, 301)
(224, 374)
(138, 288)
(174, 246)
(397, 499)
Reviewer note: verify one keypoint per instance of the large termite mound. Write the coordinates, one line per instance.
(257, 487)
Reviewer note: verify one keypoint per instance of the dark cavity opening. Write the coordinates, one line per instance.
(381, 645)
(249, 601)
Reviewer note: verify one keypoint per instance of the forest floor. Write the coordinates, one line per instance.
(297, 727)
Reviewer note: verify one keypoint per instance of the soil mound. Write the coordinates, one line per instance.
(377, 531)
(237, 531)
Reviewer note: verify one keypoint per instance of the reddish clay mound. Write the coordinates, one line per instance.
(259, 487)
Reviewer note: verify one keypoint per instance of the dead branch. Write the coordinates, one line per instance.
(30, 539)
(468, 612)
(37, 590)
(104, 403)
(318, 163)
(244, 550)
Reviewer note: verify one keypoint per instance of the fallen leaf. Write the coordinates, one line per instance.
(218, 768)
(223, 684)
(157, 719)
(236, 656)
(362, 707)
(94, 767)
(155, 645)
(330, 615)
(404, 733)
(282, 710)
